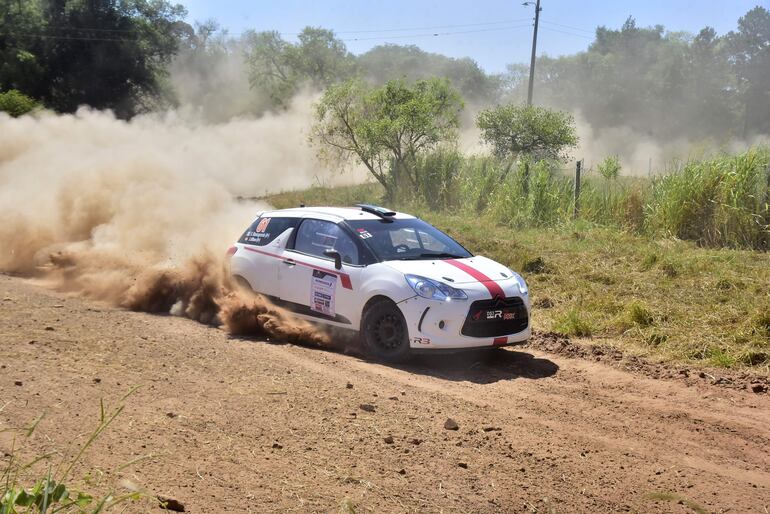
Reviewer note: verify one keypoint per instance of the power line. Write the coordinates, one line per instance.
(427, 28)
(399, 36)
(367, 31)
(74, 38)
(569, 33)
(569, 27)
(89, 29)
(435, 34)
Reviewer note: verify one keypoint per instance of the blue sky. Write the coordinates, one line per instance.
(492, 32)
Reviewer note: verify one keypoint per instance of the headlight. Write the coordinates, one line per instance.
(520, 281)
(434, 290)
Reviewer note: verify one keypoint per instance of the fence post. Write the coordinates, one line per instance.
(578, 167)
(525, 183)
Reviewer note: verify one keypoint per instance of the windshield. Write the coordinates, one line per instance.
(410, 239)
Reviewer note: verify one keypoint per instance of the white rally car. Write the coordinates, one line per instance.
(402, 283)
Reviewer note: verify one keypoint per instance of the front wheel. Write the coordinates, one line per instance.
(384, 332)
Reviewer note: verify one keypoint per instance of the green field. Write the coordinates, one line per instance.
(655, 296)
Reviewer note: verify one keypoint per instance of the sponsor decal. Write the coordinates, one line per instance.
(494, 314)
(262, 226)
(420, 340)
(256, 237)
(322, 290)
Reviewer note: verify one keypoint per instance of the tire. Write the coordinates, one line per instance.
(384, 333)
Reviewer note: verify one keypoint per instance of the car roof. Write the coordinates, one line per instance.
(330, 213)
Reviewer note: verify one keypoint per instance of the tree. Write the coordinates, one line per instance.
(280, 68)
(21, 66)
(662, 85)
(386, 62)
(208, 72)
(749, 54)
(387, 127)
(109, 54)
(537, 132)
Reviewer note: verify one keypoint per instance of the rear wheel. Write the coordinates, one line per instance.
(384, 332)
(242, 283)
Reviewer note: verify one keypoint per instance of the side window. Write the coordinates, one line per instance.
(265, 229)
(316, 236)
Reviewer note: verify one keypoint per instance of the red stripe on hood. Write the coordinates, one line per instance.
(493, 287)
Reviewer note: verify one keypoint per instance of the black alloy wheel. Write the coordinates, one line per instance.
(384, 332)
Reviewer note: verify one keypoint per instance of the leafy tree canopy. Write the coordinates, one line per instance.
(541, 133)
(749, 54)
(385, 62)
(109, 54)
(662, 84)
(280, 68)
(387, 127)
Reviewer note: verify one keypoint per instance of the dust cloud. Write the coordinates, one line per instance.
(140, 213)
(640, 154)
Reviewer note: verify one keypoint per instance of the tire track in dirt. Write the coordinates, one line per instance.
(249, 426)
(603, 417)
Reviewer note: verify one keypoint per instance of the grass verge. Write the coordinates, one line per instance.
(659, 297)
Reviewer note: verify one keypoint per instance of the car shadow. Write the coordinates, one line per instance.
(485, 366)
(480, 366)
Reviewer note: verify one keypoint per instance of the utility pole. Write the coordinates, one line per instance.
(534, 50)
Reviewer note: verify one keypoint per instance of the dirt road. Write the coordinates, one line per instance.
(240, 425)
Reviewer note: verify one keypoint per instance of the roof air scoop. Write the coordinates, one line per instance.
(382, 212)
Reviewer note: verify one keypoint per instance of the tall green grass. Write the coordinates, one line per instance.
(721, 201)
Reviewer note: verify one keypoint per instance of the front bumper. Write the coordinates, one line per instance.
(437, 325)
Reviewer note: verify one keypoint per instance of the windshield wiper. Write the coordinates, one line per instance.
(442, 255)
(432, 255)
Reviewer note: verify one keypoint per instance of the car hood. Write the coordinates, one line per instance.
(454, 271)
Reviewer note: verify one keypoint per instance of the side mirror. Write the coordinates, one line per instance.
(336, 256)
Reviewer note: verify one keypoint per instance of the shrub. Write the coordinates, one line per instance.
(16, 103)
(609, 168)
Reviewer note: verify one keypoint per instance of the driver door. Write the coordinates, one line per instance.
(311, 284)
